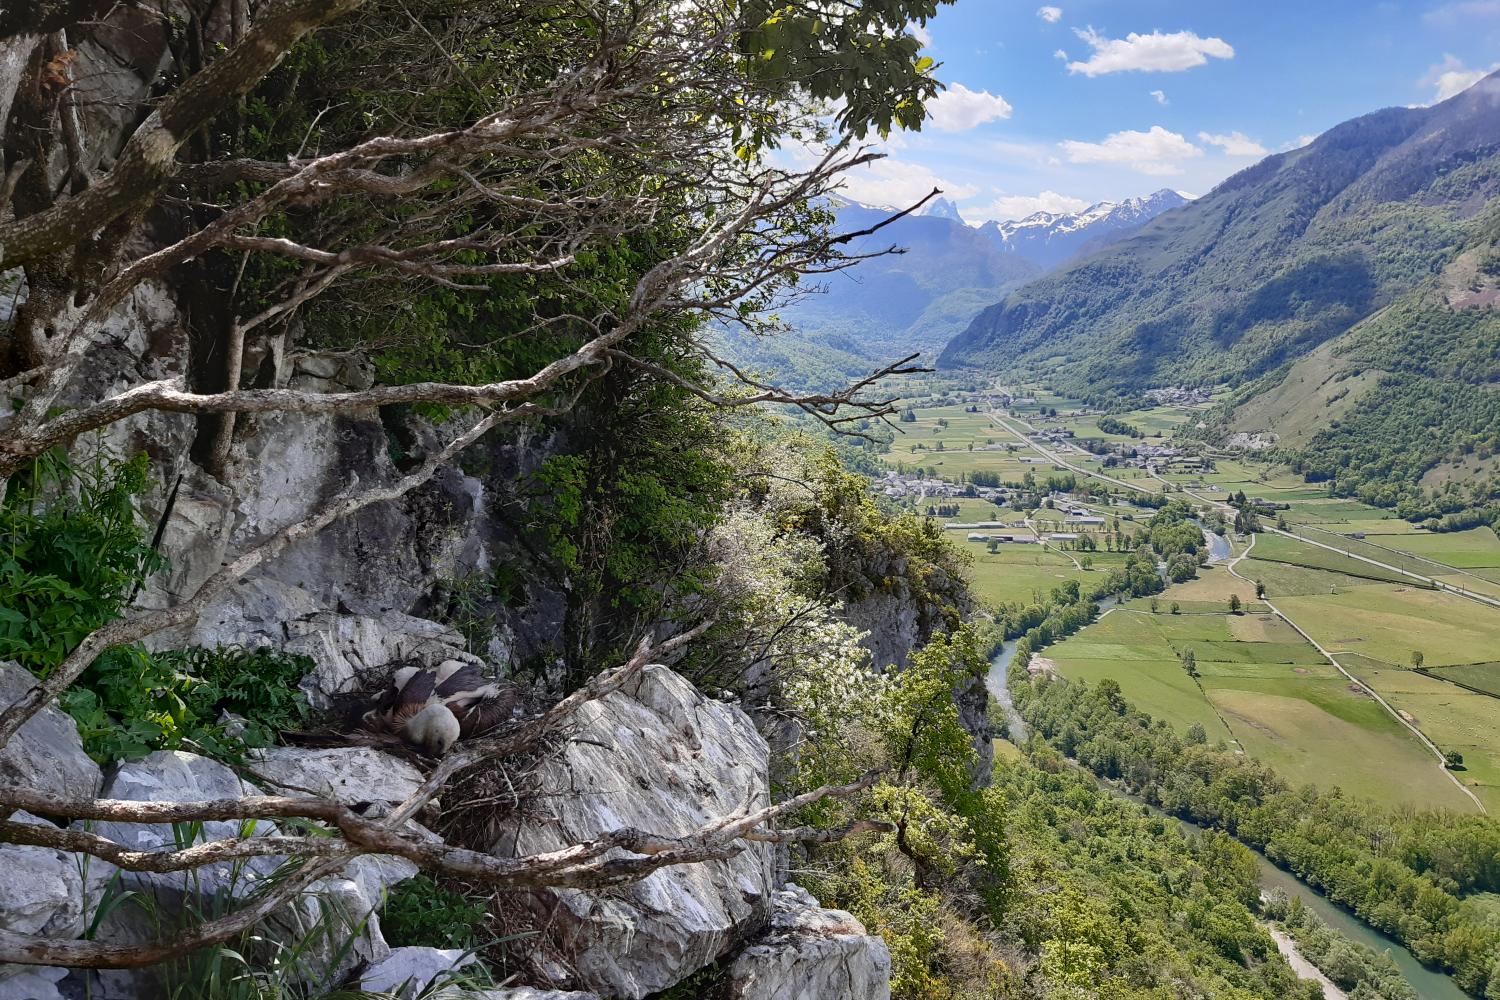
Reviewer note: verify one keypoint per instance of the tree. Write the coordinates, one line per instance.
(1196, 734)
(515, 206)
(1176, 608)
(1260, 589)
(1417, 659)
(1189, 662)
(1234, 604)
(1155, 605)
(1453, 760)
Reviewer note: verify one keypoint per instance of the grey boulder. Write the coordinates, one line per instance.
(332, 913)
(809, 953)
(408, 972)
(655, 755)
(47, 753)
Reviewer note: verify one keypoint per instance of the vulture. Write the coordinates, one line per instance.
(431, 709)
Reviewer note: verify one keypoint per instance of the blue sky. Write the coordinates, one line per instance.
(1058, 105)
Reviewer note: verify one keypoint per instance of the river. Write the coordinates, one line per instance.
(1218, 546)
(1429, 984)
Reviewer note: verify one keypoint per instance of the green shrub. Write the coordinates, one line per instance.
(420, 912)
(69, 561)
(130, 702)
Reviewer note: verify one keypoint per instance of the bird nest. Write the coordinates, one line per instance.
(498, 793)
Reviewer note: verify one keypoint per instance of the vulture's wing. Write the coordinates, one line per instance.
(413, 696)
(483, 716)
(466, 677)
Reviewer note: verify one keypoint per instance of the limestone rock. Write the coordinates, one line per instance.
(350, 652)
(351, 775)
(329, 912)
(47, 753)
(407, 972)
(809, 953)
(46, 891)
(31, 982)
(657, 756)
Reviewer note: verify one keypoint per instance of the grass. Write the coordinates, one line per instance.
(1015, 574)
(1285, 579)
(1315, 730)
(1264, 687)
(1454, 719)
(1476, 548)
(1279, 548)
(1484, 677)
(1390, 623)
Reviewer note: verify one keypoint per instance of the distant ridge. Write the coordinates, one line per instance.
(1049, 239)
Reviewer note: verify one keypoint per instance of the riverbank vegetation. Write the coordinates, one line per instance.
(1407, 873)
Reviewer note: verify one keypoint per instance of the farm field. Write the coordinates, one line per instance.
(1473, 549)
(1264, 688)
(1390, 623)
(1016, 574)
(1260, 684)
(1483, 676)
(1285, 579)
(1210, 591)
(1454, 719)
(1278, 548)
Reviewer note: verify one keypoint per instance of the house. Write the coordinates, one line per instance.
(1087, 522)
(1062, 536)
(975, 536)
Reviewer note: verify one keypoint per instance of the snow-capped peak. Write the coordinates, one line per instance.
(942, 208)
(1049, 238)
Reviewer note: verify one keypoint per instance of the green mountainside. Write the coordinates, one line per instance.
(1346, 291)
(1275, 261)
(893, 304)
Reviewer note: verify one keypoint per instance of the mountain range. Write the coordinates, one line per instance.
(1048, 239)
(918, 298)
(1344, 288)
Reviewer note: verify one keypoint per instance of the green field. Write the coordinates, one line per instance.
(1390, 623)
(1261, 687)
(1454, 719)
(1264, 689)
(1473, 549)
(1016, 574)
(1481, 676)
(1279, 548)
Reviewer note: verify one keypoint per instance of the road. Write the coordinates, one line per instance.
(1477, 598)
(1355, 681)
(1057, 459)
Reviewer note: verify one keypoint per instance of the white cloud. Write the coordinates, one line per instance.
(1156, 151)
(920, 33)
(958, 109)
(1018, 206)
(1297, 143)
(1156, 52)
(1060, 54)
(1049, 14)
(1234, 144)
(1160, 95)
(1451, 77)
(899, 184)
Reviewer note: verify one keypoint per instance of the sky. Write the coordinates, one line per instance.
(1053, 107)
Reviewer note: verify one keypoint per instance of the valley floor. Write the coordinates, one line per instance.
(1319, 680)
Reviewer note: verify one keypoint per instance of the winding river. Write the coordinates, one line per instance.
(1429, 984)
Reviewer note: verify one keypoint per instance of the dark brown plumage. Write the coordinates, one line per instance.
(432, 708)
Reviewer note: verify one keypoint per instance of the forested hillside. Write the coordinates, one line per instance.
(1278, 259)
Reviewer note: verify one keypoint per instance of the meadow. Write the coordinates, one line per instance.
(1454, 719)
(1263, 689)
(1390, 623)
